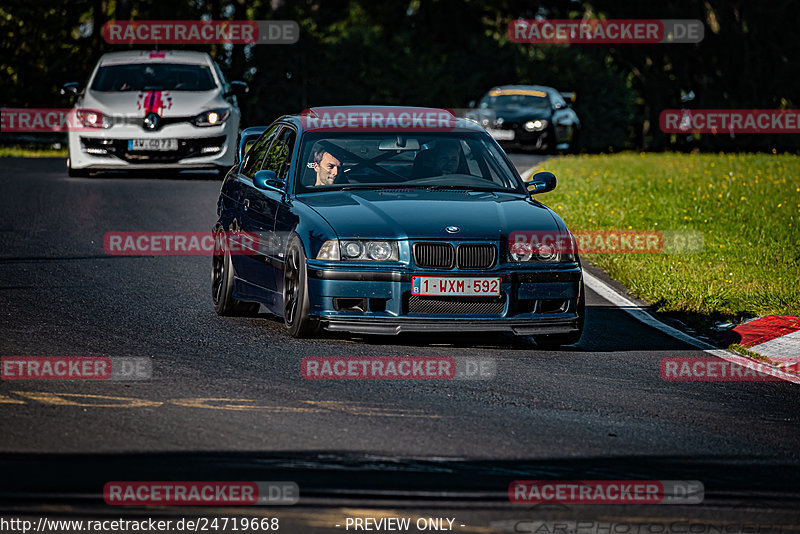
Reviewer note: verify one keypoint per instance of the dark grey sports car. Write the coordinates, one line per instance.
(528, 116)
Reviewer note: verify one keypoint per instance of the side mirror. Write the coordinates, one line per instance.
(471, 104)
(541, 182)
(267, 180)
(72, 88)
(569, 96)
(238, 88)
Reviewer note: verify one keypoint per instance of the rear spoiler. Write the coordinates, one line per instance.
(246, 138)
(569, 96)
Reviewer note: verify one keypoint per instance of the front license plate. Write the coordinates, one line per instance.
(161, 145)
(441, 286)
(501, 135)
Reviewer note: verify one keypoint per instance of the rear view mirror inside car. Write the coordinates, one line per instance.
(399, 143)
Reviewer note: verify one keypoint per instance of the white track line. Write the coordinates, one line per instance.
(627, 305)
(642, 315)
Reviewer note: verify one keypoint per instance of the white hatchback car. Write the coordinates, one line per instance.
(154, 110)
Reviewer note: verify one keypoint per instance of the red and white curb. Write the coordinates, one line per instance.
(642, 315)
(775, 336)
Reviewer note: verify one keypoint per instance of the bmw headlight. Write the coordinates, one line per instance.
(552, 250)
(380, 251)
(535, 126)
(535, 252)
(364, 250)
(214, 117)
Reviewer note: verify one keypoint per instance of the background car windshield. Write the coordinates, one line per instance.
(154, 77)
(377, 161)
(515, 101)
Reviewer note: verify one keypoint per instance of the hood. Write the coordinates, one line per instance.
(414, 214)
(164, 103)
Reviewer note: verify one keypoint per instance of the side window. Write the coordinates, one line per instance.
(223, 82)
(255, 156)
(280, 154)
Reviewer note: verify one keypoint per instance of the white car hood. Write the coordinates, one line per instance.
(164, 103)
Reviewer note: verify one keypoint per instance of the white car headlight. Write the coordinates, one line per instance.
(91, 118)
(213, 117)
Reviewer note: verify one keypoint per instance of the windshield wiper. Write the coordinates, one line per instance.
(429, 187)
(440, 187)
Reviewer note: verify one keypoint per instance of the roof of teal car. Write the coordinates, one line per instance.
(460, 125)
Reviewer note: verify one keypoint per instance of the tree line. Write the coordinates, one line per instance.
(445, 53)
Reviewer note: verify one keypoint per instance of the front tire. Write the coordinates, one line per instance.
(575, 144)
(555, 341)
(550, 147)
(222, 282)
(295, 293)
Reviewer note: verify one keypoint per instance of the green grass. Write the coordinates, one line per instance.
(19, 152)
(745, 206)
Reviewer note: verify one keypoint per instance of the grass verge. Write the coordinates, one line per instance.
(746, 207)
(19, 152)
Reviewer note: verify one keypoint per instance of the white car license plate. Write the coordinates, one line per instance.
(450, 286)
(501, 135)
(153, 144)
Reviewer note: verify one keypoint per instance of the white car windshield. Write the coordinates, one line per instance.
(154, 77)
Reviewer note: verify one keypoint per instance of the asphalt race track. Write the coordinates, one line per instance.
(234, 384)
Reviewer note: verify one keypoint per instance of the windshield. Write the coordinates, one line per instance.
(513, 101)
(154, 77)
(379, 161)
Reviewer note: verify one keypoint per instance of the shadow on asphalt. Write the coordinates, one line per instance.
(607, 329)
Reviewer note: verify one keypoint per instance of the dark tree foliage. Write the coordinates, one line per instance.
(445, 53)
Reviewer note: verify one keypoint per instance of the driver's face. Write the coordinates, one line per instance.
(327, 169)
(447, 161)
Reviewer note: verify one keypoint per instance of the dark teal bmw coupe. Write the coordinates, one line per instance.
(384, 220)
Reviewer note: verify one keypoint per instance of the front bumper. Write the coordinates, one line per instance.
(523, 138)
(198, 148)
(522, 327)
(543, 300)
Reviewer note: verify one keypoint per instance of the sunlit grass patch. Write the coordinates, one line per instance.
(20, 152)
(746, 207)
